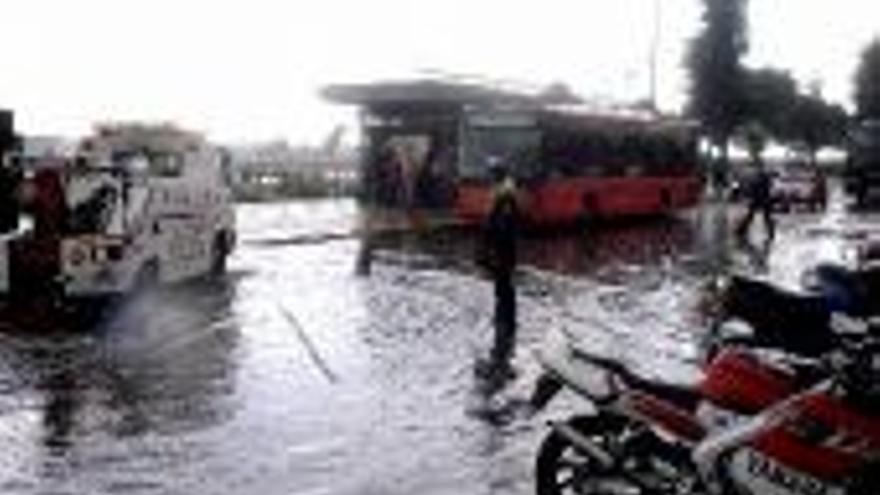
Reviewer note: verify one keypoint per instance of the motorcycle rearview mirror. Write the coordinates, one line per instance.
(838, 360)
(810, 279)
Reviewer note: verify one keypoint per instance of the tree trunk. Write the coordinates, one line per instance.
(811, 153)
(724, 144)
(724, 159)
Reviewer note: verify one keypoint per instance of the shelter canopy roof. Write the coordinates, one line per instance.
(423, 92)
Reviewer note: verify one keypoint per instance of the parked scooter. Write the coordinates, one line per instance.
(757, 423)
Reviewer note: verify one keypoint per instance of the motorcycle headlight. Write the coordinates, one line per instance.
(721, 335)
(810, 280)
(720, 284)
(734, 329)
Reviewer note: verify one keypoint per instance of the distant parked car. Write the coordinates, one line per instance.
(793, 189)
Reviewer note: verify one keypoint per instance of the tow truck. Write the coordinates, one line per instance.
(135, 206)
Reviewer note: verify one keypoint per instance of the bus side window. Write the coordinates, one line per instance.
(572, 156)
(655, 156)
(603, 156)
(556, 148)
(676, 157)
(615, 159)
(583, 158)
(226, 167)
(649, 155)
(663, 161)
(693, 155)
(634, 156)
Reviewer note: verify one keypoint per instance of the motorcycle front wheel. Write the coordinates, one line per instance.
(561, 468)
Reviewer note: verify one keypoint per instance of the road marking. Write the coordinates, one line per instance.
(309, 345)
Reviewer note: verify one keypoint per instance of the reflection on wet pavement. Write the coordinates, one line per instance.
(297, 375)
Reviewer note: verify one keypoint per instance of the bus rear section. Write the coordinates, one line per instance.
(583, 167)
(430, 144)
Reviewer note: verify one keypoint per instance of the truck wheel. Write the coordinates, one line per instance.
(219, 251)
(147, 277)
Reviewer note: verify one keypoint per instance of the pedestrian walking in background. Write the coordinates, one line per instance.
(10, 179)
(499, 252)
(759, 188)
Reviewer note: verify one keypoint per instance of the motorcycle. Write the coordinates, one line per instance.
(747, 310)
(757, 422)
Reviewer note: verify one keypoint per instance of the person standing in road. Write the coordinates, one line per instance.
(10, 179)
(499, 257)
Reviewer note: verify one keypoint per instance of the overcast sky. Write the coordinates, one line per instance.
(251, 69)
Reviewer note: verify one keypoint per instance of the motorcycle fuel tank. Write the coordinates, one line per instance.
(743, 383)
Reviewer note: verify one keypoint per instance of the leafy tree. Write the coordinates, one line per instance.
(717, 93)
(754, 136)
(804, 120)
(815, 123)
(771, 96)
(868, 82)
(559, 93)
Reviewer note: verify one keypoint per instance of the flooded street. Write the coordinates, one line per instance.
(296, 375)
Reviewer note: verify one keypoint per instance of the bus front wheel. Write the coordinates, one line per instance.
(147, 277)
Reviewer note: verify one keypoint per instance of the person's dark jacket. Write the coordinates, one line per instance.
(8, 202)
(501, 231)
(761, 188)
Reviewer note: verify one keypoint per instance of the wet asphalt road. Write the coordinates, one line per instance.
(294, 375)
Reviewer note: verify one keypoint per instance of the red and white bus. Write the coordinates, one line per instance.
(432, 144)
(573, 165)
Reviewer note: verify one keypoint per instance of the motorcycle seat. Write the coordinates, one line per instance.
(780, 318)
(683, 395)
